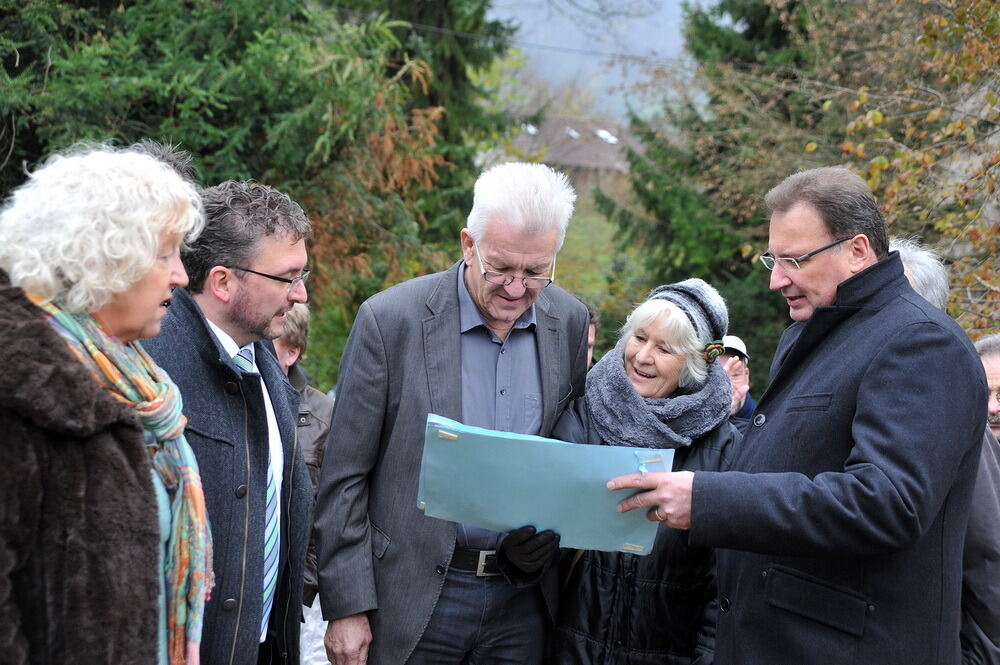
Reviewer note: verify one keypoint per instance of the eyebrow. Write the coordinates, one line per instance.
(538, 268)
(291, 271)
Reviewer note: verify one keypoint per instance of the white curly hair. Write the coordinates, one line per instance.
(86, 225)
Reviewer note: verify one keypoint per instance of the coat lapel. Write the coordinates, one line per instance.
(443, 347)
(547, 339)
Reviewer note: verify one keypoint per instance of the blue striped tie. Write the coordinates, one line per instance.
(270, 549)
(244, 360)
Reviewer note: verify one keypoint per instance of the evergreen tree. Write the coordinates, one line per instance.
(693, 222)
(272, 91)
(456, 40)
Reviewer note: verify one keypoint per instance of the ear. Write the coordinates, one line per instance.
(468, 247)
(288, 355)
(861, 254)
(221, 284)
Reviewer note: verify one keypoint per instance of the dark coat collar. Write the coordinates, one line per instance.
(874, 286)
(870, 289)
(188, 340)
(41, 380)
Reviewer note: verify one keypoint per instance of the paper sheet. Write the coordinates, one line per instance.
(501, 481)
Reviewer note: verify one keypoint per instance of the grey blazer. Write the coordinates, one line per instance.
(377, 551)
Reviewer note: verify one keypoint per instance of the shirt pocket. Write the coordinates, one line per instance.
(531, 413)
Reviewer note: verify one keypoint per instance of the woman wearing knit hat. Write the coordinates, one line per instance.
(659, 388)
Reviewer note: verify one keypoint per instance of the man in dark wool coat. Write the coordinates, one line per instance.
(246, 271)
(843, 517)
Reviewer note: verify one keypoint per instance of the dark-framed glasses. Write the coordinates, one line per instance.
(290, 281)
(770, 260)
(506, 279)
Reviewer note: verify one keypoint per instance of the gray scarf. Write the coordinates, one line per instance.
(623, 418)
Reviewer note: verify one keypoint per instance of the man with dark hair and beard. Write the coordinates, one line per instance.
(247, 270)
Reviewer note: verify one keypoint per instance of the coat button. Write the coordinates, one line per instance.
(232, 388)
(724, 604)
(241, 491)
(229, 604)
(759, 419)
(439, 570)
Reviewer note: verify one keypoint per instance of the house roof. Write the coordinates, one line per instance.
(577, 143)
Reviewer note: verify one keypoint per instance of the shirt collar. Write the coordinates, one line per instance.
(469, 315)
(229, 344)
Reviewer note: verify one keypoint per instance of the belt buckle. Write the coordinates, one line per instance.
(481, 566)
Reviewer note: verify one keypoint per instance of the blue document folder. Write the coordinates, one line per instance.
(501, 481)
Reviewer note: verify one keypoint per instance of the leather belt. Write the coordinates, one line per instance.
(483, 562)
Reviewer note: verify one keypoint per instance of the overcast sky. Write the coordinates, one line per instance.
(587, 40)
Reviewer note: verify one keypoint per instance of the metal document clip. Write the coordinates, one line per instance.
(445, 434)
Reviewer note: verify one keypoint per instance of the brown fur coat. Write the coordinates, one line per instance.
(79, 537)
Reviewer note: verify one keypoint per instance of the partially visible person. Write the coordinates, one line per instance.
(981, 579)
(247, 269)
(839, 528)
(736, 362)
(980, 628)
(924, 270)
(315, 412)
(989, 352)
(594, 317)
(661, 387)
(181, 161)
(105, 549)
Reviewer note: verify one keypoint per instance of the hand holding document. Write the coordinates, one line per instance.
(501, 481)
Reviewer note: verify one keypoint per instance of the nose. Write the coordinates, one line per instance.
(178, 275)
(516, 288)
(643, 355)
(779, 277)
(298, 292)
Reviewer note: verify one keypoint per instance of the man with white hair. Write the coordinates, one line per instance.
(486, 343)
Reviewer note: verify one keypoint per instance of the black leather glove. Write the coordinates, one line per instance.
(529, 551)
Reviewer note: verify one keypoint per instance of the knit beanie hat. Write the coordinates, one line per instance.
(703, 305)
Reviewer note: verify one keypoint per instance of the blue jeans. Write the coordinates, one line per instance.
(483, 621)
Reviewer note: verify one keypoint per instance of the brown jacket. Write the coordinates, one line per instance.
(313, 422)
(79, 536)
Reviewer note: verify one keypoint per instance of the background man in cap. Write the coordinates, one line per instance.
(842, 522)
(736, 361)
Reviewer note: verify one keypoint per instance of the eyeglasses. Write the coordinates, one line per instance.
(291, 282)
(769, 260)
(506, 279)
